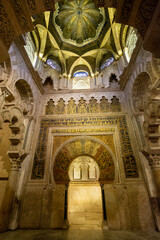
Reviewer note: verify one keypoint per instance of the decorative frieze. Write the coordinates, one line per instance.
(82, 106)
(78, 122)
(6, 29)
(21, 15)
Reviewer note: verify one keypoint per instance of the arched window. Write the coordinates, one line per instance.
(53, 65)
(107, 62)
(80, 74)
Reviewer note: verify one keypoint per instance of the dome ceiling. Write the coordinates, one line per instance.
(78, 34)
(79, 20)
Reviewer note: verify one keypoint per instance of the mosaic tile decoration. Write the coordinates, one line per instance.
(119, 121)
(82, 147)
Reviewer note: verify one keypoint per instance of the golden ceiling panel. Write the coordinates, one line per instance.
(78, 33)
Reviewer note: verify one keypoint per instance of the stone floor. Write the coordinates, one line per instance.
(73, 234)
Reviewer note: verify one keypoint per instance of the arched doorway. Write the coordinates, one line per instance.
(84, 194)
(81, 166)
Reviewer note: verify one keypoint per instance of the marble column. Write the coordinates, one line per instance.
(154, 161)
(66, 223)
(6, 207)
(104, 224)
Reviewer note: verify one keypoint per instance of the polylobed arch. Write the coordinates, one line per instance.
(83, 168)
(84, 146)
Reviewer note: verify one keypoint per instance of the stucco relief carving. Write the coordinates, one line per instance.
(83, 106)
(20, 72)
(15, 163)
(104, 105)
(15, 152)
(141, 91)
(6, 28)
(145, 11)
(21, 14)
(126, 10)
(50, 108)
(3, 95)
(84, 168)
(93, 105)
(48, 4)
(154, 161)
(60, 108)
(71, 107)
(87, 96)
(115, 105)
(31, 5)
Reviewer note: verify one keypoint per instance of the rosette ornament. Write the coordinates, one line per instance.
(78, 20)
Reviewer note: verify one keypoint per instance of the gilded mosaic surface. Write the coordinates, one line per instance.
(108, 140)
(119, 121)
(78, 20)
(84, 146)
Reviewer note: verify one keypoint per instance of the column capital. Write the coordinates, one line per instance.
(66, 186)
(154, 161)
(102, 186)
(15, 164)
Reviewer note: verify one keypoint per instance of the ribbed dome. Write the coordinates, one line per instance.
(78, 20)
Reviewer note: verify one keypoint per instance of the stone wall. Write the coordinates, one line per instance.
(128, 207)
(42, 207)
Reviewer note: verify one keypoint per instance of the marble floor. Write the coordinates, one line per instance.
(74, 234)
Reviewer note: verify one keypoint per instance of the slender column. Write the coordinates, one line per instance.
(3, 95)
(154, 161)
(104, 224)
(103, 203)
(66, 223)
(9, 194)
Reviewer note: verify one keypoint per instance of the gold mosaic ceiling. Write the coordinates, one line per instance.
(78, 36)
(79, 21)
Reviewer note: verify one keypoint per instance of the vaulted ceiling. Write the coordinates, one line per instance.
(78, 34)
(140, 14)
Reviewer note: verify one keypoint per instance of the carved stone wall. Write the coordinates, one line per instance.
(46, 123)
(82, 106)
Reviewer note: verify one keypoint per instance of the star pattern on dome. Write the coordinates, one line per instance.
(79, 20)
(71, 56)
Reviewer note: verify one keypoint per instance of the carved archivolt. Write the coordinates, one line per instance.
(82, 107)
(26, 96)
(141, 92)
(80, 147)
